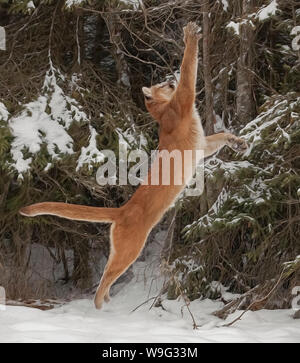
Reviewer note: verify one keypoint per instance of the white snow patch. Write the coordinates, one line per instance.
(47, 167)
(291, 263)
(131, 139)
(134, 3)
(125, 79)
(216, 286)
(219, 124)
(90, 155)
(296, 43)
(128, 318)
(296, 40)
(64, 109)
(295, 30)
(252, 131)
(75, 78)
(30, 5)
(44, 121)
(34, 127)
(70, 3)
(225, 4)
(234, 26)
(4, 114)
(267, 11)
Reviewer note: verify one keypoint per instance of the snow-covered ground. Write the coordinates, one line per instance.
(78, 321)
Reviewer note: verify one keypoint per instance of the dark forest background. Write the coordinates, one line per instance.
(92, 58)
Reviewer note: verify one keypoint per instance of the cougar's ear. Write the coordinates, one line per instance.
(147, 93)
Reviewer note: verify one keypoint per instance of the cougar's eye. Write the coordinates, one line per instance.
(148, 98)
(172, 85)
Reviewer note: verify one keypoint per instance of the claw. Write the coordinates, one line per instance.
(192, 31)
(237, 144)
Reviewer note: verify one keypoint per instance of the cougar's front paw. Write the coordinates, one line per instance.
(237, 144)
(191, 32)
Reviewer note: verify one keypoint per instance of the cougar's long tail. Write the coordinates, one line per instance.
(72, 211)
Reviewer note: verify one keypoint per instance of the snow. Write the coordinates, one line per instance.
(225, 4)
(130, 318)
(79, 322)
(125, 79)
(234, 26)
(2, 298)
(90, 154)
(45, 120)
(3, 112)
(217, 287)
(2, 38)
(30, 5)
(295, 30)
(294, 262)
(296, 41)
(131, 139)
(34, 127)
(134, 3)
(70, 3)
(267, 11)
(252, 132)
(219, 124)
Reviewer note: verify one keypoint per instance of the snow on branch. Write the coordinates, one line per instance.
(225, 4)
(296, 41)
(267, 11)
(90, 155)
(44, 121)
(3, 112)
(70, 3)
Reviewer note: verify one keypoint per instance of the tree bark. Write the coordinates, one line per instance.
(245, 105)
(209, 108)
(114, 28)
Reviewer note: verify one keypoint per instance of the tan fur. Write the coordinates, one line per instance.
(180, 129)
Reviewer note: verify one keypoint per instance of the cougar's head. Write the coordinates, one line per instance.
(158, 94)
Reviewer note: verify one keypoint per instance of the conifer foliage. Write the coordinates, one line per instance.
(70, 85)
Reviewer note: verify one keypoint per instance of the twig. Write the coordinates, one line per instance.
(51, 32)
(159, 35)
(143, 303)
(77, 41)
(257, 301)
(187, 303)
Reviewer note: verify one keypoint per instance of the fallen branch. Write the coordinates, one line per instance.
(257, 304)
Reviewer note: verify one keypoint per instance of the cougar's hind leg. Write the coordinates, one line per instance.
(125, 246)
(107, 297)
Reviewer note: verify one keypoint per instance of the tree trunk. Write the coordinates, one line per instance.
(245, 106)
(114, 27)
(209, 108)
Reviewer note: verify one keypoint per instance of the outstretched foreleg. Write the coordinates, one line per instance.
(217, 141)
(185, 93)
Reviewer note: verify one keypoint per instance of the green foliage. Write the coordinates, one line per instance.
(253, 227)
(23, 6)
(245, 226)
(5, 142)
